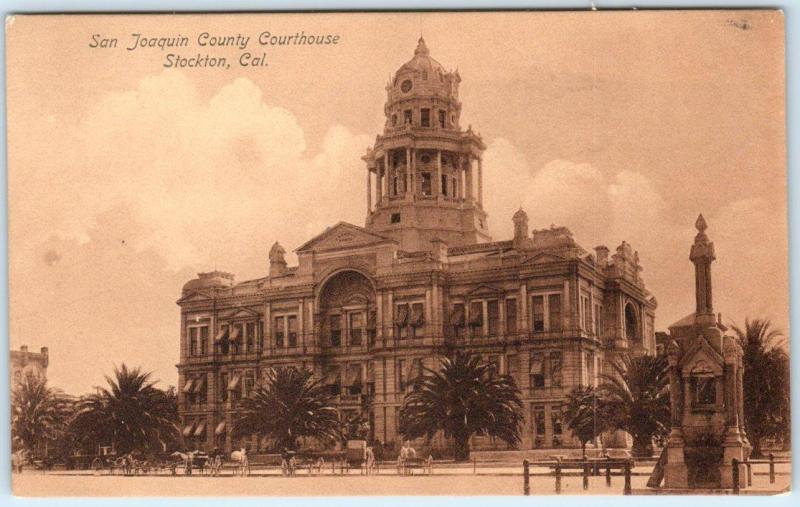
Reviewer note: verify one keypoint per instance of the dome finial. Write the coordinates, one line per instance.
(422, 49)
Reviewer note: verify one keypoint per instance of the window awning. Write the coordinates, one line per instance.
(200, 384)
(537, 365)
(401, 317)
(223, 334)
(200, 429)
(331, 376)
(457, 317)
(354, 375)
(236, 333)
(220, 428)
(187, 430)
(234, 383)
(188, 386)
(417, 315)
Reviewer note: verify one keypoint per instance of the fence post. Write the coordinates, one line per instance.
(608, 475)
(526, 477)
(749, 474)
(771, 468)
(558, 478)
(627, 490)
(585, 475)
(735, 473)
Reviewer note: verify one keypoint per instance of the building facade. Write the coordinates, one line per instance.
(24, 362)
(367, 307)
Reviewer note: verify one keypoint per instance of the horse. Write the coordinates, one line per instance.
(188, 461)
(240, 457)
(369, 461)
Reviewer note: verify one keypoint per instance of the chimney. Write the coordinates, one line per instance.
(277, 262)
(601, 252)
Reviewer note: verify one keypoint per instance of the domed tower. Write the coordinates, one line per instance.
(424, 174)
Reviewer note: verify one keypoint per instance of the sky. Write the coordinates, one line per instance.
(126, 178)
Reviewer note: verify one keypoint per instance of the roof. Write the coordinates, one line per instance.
(422, 61)
(343, 235)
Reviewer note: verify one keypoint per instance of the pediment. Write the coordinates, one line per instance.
(701, 358)
(343, 236)
(543, 258)
(240, 313)
(197, 295)
(484, 289)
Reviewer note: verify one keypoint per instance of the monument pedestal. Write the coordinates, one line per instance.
(733, 448)
(676, 474)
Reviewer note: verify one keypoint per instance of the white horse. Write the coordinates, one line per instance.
(243, 463)
(369, 461)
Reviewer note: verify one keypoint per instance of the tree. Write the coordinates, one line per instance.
(289, 405)
(766, 382)
(464, 398)
(584, 414)
(38, 413)
(636, 399)
(131, 414)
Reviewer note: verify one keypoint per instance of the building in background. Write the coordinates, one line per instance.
(367, 307)
(24, 362)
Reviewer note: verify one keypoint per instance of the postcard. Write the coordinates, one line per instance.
(398, 253)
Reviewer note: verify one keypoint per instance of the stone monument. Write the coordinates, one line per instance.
(705, 373)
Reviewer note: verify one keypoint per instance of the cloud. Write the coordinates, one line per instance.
(606, 207)
(116, 212)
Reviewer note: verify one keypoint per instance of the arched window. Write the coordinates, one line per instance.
(631, 323)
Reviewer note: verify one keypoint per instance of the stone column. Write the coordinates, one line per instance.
(407, 176)
(468, 175)
(378, 318)
(522, 318)
(438, 185)
(301, 326)
(389, 335)
(378, 186)
(386, 168)
(267, 328)
(385, 180)
(369, 192)
(428, 326)
(480, 182)
(312, 339)
(501, 307)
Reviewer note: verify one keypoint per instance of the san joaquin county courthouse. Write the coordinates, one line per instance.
(367, 307)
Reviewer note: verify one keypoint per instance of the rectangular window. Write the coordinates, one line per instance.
(426, 183)
(444, 185)
(598, 315)
(555, 369)
(407, 116)
(354, 380)
(586, 322)
(555, 422)
(401, 320)
(395, 218)
(538, 314)
(417, 319)
(193, 341)
(251, 336)
(292, 330)
(511, 316)
(260, 335)
(538, 425)
(425, 117)
(457, 319)
(204, 340)
(280, 331)
(554, 302)
(493, 317)
(336, 330)
(249, 382)
(223, 389)
(356, 328)
(442, 118)
(401, 371)
(476, 318)
(537, 370)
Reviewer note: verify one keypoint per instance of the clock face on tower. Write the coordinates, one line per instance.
(405, 86)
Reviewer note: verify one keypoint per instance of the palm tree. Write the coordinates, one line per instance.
(38, 413)
(766, 382)
(289, 405)
(584, 414)
(636, 399)
(130, 413)
(462, 399)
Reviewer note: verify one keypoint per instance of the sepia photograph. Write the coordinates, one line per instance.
(398, 253)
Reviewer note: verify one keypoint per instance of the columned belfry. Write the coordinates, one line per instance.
(425, 174)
